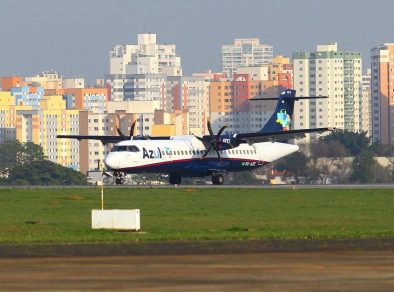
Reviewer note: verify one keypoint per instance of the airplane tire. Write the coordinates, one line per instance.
(175, 179)
(118, 181)
(218, 179)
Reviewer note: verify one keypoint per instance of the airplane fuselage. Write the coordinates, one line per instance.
(182, 155)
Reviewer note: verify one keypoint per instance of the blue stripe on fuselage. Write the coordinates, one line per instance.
(196, 166)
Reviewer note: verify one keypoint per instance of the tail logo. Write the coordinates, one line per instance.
(283, 118)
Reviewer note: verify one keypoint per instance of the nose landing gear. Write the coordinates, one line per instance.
(119, 177)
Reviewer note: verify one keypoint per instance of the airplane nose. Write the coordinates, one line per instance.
(111, 162)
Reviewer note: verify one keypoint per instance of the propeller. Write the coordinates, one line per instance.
(213, 140)
(120, 133)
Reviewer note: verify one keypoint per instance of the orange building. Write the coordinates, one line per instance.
(12, 81)
(230, 102)
(382, 89)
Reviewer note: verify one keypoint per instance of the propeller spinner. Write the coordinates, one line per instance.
(213, 141)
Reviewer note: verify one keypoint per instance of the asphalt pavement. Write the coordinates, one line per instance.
(314, 271)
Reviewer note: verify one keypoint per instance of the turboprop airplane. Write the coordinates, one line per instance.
(210, 155)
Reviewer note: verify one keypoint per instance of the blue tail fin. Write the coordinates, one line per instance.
(282, 117)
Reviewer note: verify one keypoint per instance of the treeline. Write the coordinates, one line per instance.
(340, 157)
(26, 164)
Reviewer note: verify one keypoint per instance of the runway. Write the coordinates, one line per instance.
(314, 271)
(200, 186)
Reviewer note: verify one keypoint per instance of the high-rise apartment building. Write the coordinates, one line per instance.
(230, 103)
(133, 68)
(137, 87)
(366, 103)
(244, 53)
(382, 89)
(8, 116)
(93, 99)
(146, 57)
(41, 126)
(191, 94)
(332, 73)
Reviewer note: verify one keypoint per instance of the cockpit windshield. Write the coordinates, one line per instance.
(128, 148)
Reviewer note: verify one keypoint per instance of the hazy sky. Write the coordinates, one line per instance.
(74, 37)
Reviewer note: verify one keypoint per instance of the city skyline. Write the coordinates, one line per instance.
(37, 33)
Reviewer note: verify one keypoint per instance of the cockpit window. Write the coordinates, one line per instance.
(130, 148)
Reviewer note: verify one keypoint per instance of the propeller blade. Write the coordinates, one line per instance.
(221, 131)
(117, 124)
(199, 138)
(206, 153)
(210, 128)
(132, 129)
(217, 152)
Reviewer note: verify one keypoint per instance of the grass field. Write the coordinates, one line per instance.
(63, 215)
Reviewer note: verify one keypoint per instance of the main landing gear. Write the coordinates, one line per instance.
(175, 179)
(217, 178)
(119, 177)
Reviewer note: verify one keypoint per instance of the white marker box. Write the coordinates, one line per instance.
(116, 219)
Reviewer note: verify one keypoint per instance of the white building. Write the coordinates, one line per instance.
(137, 87)
(76, 82)
(244, 53)
(146, 57)
(366, 103)
(143, 111)
(132, 69)
(332, 73)
(192, 94)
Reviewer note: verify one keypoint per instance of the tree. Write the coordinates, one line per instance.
(296, 166)
(31, 152)
(354, 142)
(25, 163)
(9, 156)
(363, 168)
(329, 161)
(45, 172)
(331, 148)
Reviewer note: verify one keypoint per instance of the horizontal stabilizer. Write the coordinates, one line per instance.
(295, 98)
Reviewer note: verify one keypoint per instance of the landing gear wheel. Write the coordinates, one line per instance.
(217, 179)
(119, 178)
(175, 179)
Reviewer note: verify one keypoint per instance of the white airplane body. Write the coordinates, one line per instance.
(182, 156)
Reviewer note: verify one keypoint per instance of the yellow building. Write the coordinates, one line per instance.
(170, 124)
(8, 116)
(42, 125)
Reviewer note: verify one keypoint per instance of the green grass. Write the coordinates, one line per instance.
(64, 215)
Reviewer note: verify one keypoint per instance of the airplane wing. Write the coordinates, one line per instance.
(257, 137)
(103, 139)
(111, 139)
